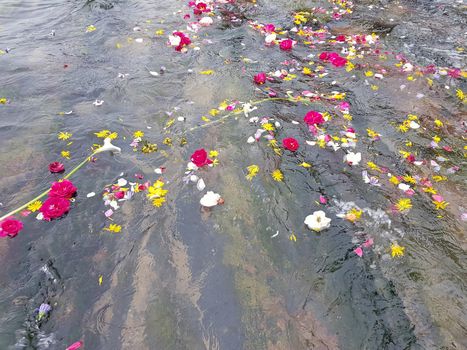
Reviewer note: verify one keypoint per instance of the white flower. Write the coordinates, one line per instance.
(270, 38)
(210, 199)
(353, 158)
(318, 221)
(200, 185)
(205, 21)
(408, 67)
(174, 40)
(414, 125)
(108, 147)
(247, 108)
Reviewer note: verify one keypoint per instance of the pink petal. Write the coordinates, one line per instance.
(322, 199)
(358, 251)
(368, 243)
(75, 346)
(437, 198)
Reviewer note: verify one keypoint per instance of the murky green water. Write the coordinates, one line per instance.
(178, 277)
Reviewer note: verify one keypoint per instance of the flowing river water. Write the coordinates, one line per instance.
(247, 274)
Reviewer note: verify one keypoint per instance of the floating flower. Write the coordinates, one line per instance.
(34, 206)
(260, 78)
(403, 204)
(54, 208)
(90, 28)
(252, 171)
(314, 118)
(352, 158)
(43, 311)
(200, 158)
(10, 227)
(113, 228)
(277, 175)
(108, 146)
(64, 135)
(210, 199)
(318, 221)
(290, 144)
(286, 44)
(358, 251)
(138, 134)
(397, 250)
(65, 154)
(354, 214)
(56, 167)
(63, 189)
(269, 28)
(179, 40)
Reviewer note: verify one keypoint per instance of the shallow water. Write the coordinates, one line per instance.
(179, 277)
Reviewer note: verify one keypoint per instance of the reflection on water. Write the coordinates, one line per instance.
(177, 277)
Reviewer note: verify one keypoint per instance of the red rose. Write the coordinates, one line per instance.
(324, 56)
(340, 38)
(286, 44)
(54, 207)
(56, 167)
(291, 144)
(64, 189)
(260, 78)
(10, 227)
(339, 62)
(313, 118)
(200, 158)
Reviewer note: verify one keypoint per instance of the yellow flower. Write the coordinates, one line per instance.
(157, 202)
(113, 136)
(207, 72)
(369, 73)
(277, 175)
(306, 71)
(252, 171)
(65, 154)
(436, 138)
(412, 117)
(35, 206)
(305, 165)
(149, 147)
(409, 179)
(394, 180)
(397, 250)
(169, 123)
(90, 28)
(268, 127)
(138, 133)
(213, 112)
(160, 32)
(373, 134)
(156, 192)
(354, 214)
(373, 166)
(273, 143)
(403, 204)
(404, 127)
(213, 154)
(440, 205)
(430, 190)
(102, 134)
(167, 141)
(64, 135)
(113, 228)
(439, 178)
(460, 94)
(292, 237)
(438, 123)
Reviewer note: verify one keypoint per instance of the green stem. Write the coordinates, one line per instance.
(43, 194)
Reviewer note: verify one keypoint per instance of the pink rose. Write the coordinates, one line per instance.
(64, 189)
(54, 207)
(260, 78)
(56, 167)
(200, 158)
(10, 227)
(286, 44)
(314, 118)
(291, 144)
